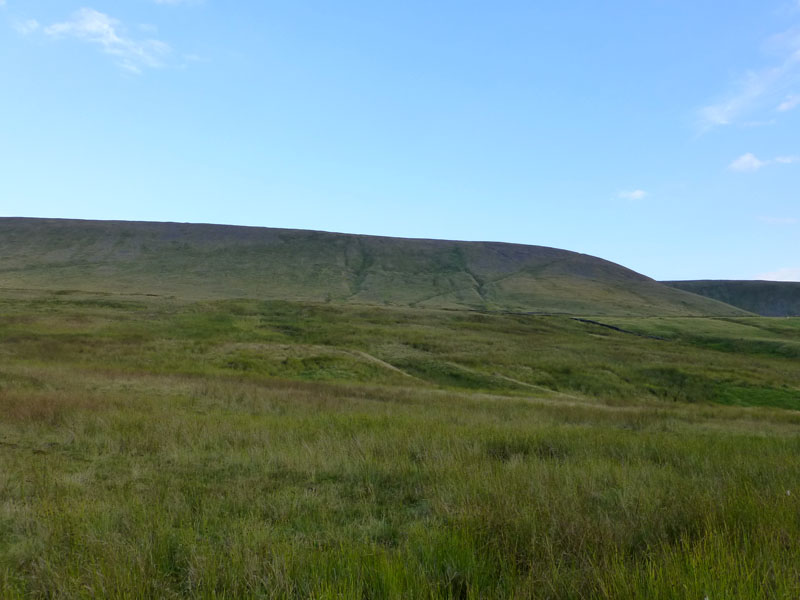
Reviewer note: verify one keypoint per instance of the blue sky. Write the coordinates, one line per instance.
(660, 134)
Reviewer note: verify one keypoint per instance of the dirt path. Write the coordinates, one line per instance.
(382, 363)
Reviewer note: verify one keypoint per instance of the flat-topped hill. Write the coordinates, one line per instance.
(766, 298)
(198, 261)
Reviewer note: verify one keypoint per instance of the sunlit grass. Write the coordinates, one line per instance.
(138, 459)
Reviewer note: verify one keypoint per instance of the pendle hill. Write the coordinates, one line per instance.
(198, 261)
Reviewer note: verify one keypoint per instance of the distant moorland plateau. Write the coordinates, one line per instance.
(766, 298)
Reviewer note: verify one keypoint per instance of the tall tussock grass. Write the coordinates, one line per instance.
(43, 407)
(150, 470)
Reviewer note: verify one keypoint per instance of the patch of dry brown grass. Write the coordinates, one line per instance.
(45, 407)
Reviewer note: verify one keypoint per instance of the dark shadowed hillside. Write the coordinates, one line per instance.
(216, 261)
(766, 298)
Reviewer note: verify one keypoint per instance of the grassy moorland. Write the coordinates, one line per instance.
(767, 298)
(206, 262)
(153, 448)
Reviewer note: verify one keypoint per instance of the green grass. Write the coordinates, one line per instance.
(768, 298)
(211, 262)
(155, 448)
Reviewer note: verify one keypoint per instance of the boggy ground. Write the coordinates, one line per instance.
(151, 448)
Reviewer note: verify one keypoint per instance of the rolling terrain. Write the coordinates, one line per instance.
(195, 411)
(217, 262)
(766, 298)
(248, 449)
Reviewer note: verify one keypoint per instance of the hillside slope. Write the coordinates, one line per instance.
(766, 298)
(216, 261)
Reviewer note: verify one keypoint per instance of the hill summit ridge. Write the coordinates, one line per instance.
(203, 261)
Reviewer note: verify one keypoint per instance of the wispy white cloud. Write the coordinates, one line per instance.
(791, 101)
(97, 28)
(747, 163)
(749, 90)
(760, 88)
(782, 274)
(779, 220)
(633, 195)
